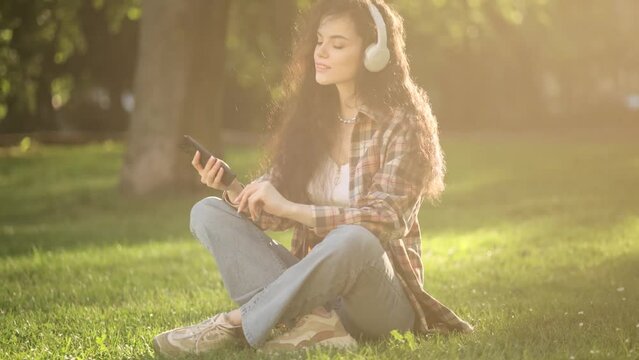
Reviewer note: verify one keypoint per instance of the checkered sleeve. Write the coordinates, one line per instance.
(266, 221)
(391, 205)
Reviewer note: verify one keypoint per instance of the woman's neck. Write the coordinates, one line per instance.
(348, 102)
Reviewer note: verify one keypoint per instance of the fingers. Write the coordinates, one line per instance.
(254, 207)
(196, 161)
(244, 197)
(218, 177)
(251, 206)
(214, 174)
(209, 164)
(205, 172)
(240, 200)
(250, 197)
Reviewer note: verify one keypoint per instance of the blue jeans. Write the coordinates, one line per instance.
(348, 271)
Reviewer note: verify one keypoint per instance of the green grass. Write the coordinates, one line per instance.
(536, 243)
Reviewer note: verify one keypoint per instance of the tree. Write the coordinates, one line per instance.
(178, 90)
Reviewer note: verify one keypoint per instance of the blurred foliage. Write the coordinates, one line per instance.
(258, 43)
(44, 48)
(514, 64)
(506, 63)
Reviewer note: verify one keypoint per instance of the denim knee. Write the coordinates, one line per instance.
(209, 211)
(352, 241)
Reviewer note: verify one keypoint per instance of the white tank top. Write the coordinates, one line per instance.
(329, 185)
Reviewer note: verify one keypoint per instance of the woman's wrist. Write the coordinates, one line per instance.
(301, 213)
(289, 209)
(234, 190)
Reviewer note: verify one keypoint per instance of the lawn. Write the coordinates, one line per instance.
(536, 243)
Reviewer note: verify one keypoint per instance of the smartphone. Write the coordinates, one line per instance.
(205, 155)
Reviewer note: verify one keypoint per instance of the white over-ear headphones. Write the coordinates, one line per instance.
(377, 55)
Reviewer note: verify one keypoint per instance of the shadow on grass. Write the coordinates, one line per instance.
(59, 198)
(66, 198)
(96, 218)
(73, 218)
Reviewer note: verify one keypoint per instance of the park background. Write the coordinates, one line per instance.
(535, 242)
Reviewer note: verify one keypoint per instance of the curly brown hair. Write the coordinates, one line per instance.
(301, 132)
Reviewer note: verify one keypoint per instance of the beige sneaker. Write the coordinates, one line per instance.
(210, 334)
(312, 330)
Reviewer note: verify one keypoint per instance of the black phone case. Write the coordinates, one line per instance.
(227, 177)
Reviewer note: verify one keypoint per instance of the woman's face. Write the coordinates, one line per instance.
(338, 52)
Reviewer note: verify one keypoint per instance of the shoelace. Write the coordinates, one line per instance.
(206, 327)
(210, 320)
(200, 327)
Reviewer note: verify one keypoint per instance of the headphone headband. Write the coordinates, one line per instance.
(377, 55)
(379, 24)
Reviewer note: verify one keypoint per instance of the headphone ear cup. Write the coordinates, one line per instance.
(376, 58)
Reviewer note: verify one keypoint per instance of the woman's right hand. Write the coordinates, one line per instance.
(211, 174)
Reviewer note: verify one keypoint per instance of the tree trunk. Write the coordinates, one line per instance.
(178, 90)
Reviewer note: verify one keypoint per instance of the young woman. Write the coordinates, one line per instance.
(355, 152)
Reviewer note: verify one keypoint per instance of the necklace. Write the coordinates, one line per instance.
(348, 121)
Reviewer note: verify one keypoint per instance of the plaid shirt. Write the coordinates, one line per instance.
(385, 198)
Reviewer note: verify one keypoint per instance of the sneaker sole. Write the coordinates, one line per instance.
(167, 355)
(344, 342)
(161, 354)
(178, 355)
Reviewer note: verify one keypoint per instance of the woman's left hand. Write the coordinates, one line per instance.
(262, 196)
